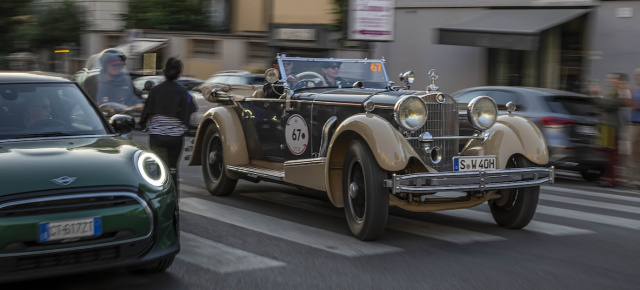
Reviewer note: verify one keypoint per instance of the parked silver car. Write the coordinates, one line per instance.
(567, 120)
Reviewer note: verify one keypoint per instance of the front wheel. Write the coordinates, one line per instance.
(516, 207)
(366, 202)
(213, 165)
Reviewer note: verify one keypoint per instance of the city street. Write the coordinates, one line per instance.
(269, 236)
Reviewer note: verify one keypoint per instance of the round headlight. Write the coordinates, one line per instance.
(410, 112)
(482, 112)
(272, 75)
(151, 168)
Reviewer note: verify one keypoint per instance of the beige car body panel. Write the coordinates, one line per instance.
(389, 147)
(511, 135)
(235, 147)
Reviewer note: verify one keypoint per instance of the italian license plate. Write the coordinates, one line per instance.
(69, 229)
(474, 163)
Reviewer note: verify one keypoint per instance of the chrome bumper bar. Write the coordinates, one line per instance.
(425, 183)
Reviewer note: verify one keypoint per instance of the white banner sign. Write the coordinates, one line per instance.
(371, 19)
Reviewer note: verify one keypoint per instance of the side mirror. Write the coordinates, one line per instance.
(122, 124)
(148, 85)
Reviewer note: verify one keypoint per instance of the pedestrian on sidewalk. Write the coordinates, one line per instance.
(609, 125)
(166, 112)
(634, 160)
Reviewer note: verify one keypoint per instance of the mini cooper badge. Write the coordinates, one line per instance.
(64, 180)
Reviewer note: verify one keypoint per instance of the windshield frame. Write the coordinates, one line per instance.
(283, 76)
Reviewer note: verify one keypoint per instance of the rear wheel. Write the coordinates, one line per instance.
(366, 202)
(213, 165)
(516, 207)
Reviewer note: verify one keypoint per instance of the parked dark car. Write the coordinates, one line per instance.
(567, 120)
(370, 145)
(188, 83)
(76, 196)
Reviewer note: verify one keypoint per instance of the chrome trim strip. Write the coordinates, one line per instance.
(306, 161)
(56, 137)
(470, 181)
(324, 142)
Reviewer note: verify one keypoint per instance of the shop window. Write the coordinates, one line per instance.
(258, 52)
(205, 48)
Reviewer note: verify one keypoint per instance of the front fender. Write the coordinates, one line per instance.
(511, 135)
(228, 122)
(390, 149)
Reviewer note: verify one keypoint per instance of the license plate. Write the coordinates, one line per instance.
(69, 229)
(586, 130)
(474, 163)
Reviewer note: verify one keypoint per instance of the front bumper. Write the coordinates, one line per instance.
(428, 183)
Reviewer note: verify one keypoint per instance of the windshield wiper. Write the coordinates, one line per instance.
(44, 134)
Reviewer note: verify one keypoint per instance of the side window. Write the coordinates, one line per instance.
(503, 97)
(468, 96)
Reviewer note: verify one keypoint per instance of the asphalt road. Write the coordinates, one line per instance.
(268, 236)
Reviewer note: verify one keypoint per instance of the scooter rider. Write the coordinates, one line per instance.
(113, 83)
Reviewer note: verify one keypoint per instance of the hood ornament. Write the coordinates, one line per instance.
(433, 75)
(64, 180)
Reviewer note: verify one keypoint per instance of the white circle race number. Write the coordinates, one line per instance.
(297, 134)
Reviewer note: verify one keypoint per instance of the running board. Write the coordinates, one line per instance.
(253, 171)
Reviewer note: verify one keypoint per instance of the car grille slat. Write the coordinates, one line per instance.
(27, 207)
(64, 259)
(442, 120)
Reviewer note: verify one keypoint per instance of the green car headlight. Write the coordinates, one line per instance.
(482, 112)
(410, 112)
(151, 168)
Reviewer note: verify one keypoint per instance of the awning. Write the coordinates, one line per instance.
(507, 28)
(141, 45)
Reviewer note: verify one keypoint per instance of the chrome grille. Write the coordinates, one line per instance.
(442, 120)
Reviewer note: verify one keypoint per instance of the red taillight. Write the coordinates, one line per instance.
(556, 121)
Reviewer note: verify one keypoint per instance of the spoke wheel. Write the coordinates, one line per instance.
(366, 202)
(517, 206)
(213, 166)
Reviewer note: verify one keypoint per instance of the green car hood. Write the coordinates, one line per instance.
(33, 165)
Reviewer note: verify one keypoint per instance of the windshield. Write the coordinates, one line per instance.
(329, 72)
(42, 110)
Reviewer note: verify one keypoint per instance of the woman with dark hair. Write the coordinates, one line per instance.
(166, 115)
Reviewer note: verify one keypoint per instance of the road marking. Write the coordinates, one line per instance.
(193, 189)
(425, 229)
(534, 226)
(321, 239)
(590, 217)
(219, 257)
(595, 194)
(591, 203)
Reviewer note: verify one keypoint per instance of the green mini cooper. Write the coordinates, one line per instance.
(75, 195)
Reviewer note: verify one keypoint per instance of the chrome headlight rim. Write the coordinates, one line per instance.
(272, 75)
(474, 105)
(157, 183)
(402, 120)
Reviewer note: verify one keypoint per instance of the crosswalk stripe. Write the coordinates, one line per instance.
(340, 244)
(590, 217)
(425, 229)
(591, 203)
(634, 198)
(193, 189)
(219, 257)
(534, 226)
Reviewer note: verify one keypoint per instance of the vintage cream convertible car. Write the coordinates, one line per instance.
(371, 145)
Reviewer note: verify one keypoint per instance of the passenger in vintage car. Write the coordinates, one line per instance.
(371, 145)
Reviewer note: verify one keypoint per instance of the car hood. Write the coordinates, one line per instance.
(37, 165)
(379, 97)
